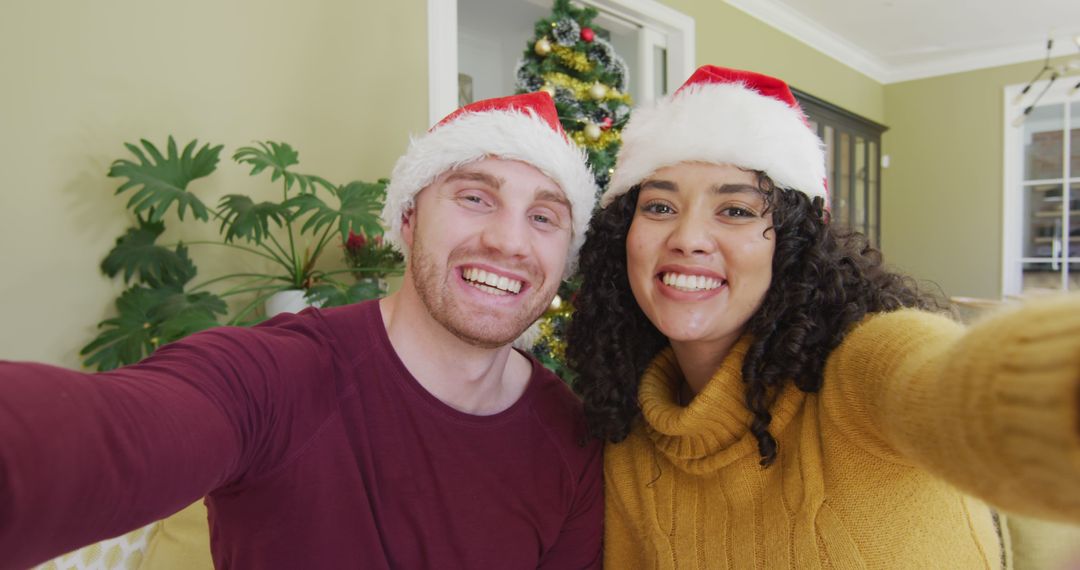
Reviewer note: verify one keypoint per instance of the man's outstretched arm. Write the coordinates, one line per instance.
(87, 456)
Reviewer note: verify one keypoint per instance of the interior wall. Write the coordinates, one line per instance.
(343, 82)
(729, 37)
(942, 198)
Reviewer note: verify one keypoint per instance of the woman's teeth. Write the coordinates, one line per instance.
(491, 283)
(691, 282)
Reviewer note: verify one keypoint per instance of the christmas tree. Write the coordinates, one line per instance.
(586, 78)
(588, 81)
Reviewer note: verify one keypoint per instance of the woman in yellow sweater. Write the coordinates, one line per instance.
(776, 398)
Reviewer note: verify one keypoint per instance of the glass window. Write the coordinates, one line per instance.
(1044, 143)
(858, 193)
(1044, 221)
(842, 200)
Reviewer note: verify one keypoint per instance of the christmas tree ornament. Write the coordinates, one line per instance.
(592, 131)
(566, 32)
(542, 47)
(598, 91)
(588, 35)
(556, 303)
(606, 123)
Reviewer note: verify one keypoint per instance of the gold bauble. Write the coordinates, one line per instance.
(598, 91)
(593, 132)
(556, 303)
(542, 47)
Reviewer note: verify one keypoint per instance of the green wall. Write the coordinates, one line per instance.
(344, 82)
(942, 197)
(729, 37)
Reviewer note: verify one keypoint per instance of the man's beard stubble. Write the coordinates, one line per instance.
(426, 276)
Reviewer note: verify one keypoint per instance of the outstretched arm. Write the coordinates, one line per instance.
(994, 409)
(84, 457)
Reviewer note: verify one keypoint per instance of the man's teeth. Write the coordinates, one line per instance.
(490, 282)
(691, 282)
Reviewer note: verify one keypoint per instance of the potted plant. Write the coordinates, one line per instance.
(162, 303)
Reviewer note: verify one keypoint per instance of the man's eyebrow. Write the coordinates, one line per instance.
(474, 176)
(552, 196)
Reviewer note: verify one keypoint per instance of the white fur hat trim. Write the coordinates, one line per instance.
(721, 123)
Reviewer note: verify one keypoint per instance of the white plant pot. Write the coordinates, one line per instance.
(289, 301)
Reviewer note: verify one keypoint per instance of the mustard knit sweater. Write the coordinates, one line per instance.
(915, 413)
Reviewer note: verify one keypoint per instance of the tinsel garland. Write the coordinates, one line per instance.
(573, 59)
(581, 88)
(607, 138)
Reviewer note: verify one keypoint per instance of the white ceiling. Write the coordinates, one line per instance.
(898, 40)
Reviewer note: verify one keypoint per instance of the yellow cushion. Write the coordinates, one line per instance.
(1043, 545)
(182, 542)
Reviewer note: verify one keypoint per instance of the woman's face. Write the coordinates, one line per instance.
(699, 251)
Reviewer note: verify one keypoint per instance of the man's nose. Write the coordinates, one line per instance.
(507, 232)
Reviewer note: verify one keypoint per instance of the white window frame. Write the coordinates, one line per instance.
(1013, 184)
(677, 38)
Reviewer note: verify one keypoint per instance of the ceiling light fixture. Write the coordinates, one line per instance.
(1054, 71)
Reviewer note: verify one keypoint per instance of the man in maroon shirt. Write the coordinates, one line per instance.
(402, 433)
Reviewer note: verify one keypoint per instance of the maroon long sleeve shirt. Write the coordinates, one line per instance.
(314, 446)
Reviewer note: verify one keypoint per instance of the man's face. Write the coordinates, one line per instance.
(488, 244)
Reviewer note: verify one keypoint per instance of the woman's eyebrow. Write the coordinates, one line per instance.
(735, 189)
(660, 185)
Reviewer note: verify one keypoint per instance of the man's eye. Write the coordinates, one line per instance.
(541, 219)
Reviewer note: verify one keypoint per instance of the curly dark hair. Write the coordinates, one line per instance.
(824, 281)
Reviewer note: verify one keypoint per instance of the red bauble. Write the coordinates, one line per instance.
(588, 34)
(606, 124)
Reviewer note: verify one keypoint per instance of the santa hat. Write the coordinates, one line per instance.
(728, 116)
(520, 127)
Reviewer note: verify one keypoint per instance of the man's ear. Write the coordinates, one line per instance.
(408, 225)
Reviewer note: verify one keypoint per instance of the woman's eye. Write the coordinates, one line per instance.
(657, 208)
(737, 212)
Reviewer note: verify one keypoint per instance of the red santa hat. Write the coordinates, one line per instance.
(728, 116)
(520, 127)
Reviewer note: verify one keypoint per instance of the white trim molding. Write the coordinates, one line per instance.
(442, 58)
(793, 23)
(443, 40)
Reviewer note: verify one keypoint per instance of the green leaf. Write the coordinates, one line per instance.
(278, 157)
(246, 219)
(180, 314)
(128, 337)
(163, 180)
(148, 317)
(136, 253)
(361, 205)
(330, 295)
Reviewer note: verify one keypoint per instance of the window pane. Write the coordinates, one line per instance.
(872, 166)
(1042, 277)
(858, 193)
(1074, 144)
(1072, 248)
(843, 181)
(1044, 143)
(830, 162)
(1043, 221)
